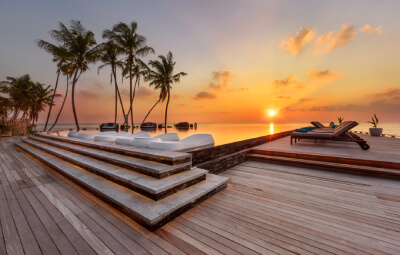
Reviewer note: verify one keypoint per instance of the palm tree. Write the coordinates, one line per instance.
(60, 56)
(161, 98)
(134, 46)
(67, 72)
(162, 77)
(109, 54)
(41, 97)
(82, 48)
(19, 92)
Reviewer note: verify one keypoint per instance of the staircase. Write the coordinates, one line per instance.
(359, 166)
(150, 186)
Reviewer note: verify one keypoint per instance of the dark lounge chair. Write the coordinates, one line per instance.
(339, 134)
(317, 124)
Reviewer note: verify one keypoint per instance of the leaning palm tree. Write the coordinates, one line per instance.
(67, 72)
(133, 45)
(60, 56)
(109, 55)
(162, 77)
(82, 48)
(161, 98)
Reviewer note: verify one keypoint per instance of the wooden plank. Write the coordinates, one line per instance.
(60, 240)
(217, 238)
(26, 236)
(179, 243)
(44, 240)
(10, 234)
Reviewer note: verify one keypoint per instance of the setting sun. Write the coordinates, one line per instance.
(272, 112)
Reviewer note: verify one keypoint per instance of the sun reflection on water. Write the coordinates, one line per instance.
(271, 128)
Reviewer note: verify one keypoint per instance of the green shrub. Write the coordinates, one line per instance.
(84, 129)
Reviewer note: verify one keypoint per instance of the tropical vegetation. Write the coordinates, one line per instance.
(73, 50)
(21, 98)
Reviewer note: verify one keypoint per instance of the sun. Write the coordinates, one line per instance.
(272, 112)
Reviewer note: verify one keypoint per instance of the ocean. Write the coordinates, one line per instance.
(231, 132)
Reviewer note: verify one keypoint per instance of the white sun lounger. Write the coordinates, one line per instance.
(144, 142)
(90, 136)
(189, 143)
(126, 140)
(111, 137)
(73, 134)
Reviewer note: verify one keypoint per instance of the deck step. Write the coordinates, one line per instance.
(151, 168)
(322, 164)
(160, 156)
(150, 187)
(333, 159)
(149, 213)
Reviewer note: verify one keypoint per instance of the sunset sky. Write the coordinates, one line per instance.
(309, 60)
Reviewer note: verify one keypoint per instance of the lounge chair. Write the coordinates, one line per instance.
(126, 140)
(90, 136)
(339, 134)
(329, 129)
(110, 138)
(73, 134)
(192, 142)
(317, 124)
(144, 142)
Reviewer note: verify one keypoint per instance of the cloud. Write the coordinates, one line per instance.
(87, 93)
(238, 89)
(175, 96)
(323, 75)
(333, 40)
(367, 29)
(295, 44)
(290, 80)
(282, 97)
(204, 95)
(98, 85)
(389, 92)
(221, 79)
(143, 92)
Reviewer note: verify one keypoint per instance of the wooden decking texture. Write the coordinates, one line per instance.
(382, 148)
(266, 209)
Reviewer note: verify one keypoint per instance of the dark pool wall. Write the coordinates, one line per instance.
(220, 158)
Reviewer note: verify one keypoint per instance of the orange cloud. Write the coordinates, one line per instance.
(323, 75)
(295, 44)
(290, 80)
(238, 89)
(143, 92)
(204, 95)
(221, 79)
(87, 93)
(333, 40)
(369, 30)
(282, 97)
(389, 92)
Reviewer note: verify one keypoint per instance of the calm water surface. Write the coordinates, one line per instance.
(228, 133)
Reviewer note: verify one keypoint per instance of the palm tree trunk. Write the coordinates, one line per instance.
(151, 110)
(52, 99)
(166, 111)
(62, 106)
(116, 106)
(119, 95)
(73, 99)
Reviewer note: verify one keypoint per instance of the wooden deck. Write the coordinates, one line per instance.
(266, 209)
(382, 148)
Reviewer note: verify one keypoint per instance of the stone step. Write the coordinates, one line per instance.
(160, 156)
(151, 168)
(147, 212)
(148, 186)
(326, 165)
